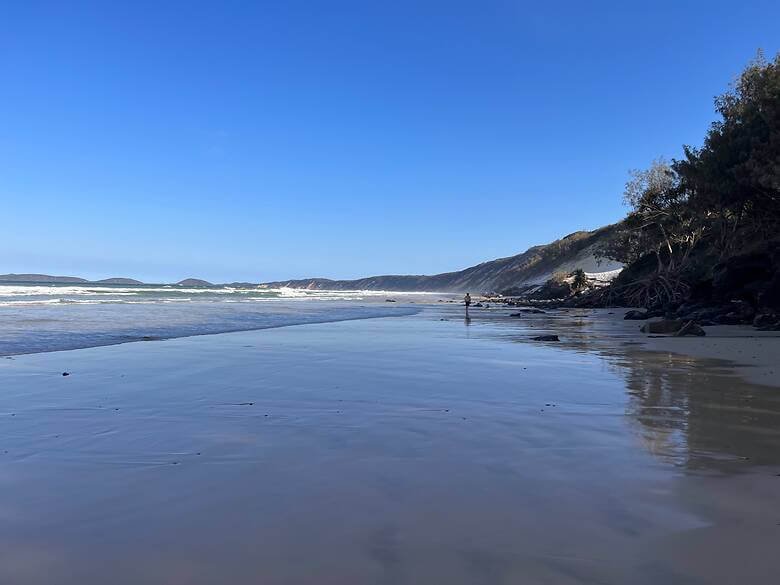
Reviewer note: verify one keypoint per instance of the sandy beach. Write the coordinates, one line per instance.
(409, 449)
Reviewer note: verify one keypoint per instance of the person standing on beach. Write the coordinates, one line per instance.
(467, 301)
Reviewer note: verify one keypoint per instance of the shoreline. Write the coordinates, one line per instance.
(752, 354)
(151, 338)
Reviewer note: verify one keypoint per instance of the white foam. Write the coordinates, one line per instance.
(92, 294)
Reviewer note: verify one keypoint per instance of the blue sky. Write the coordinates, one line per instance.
(267, 140)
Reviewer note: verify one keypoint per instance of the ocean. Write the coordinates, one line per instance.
(36, 317)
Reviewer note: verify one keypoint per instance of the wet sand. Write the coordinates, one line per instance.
(751, 354)
(389, 451)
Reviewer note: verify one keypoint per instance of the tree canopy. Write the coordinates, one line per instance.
(722, 195)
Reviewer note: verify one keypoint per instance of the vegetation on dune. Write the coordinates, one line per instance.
(579, 279)
(720, 200)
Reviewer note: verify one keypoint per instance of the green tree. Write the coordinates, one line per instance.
(580, 280)
(719, 198)
(733, 180)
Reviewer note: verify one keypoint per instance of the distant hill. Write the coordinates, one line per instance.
(41, 278)
(117, 281)
(534, 266)
(48, 279)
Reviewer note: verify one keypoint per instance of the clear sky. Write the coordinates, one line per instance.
(268, 140)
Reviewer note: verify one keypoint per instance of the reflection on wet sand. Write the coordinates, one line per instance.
(692, 412)
(698, 418)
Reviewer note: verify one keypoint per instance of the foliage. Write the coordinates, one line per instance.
(723, 195)
(734, 178)
(580, 280)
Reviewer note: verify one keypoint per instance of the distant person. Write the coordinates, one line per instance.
(467, 301)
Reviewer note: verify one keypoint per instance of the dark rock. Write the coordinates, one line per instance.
(735, 313)
(635, 315)
(546, 338)
(479, 305)
(687, 309)
(731, 318)
(516, 315)
(743, 309)
(703, 314)
(66, 373)
(665, 326)
(389, 300)
(765, 319)
(767, 322)
(690, 328)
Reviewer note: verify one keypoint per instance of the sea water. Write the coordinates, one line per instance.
(37, 317)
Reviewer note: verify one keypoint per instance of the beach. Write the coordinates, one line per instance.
(406, 448)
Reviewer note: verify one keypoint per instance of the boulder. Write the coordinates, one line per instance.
(546, 338)
(730, 318)
(665, 326)
(690, 328)
(635, 315)
(710, 314)
(767, 322)
(735, 313)
(687, 309)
